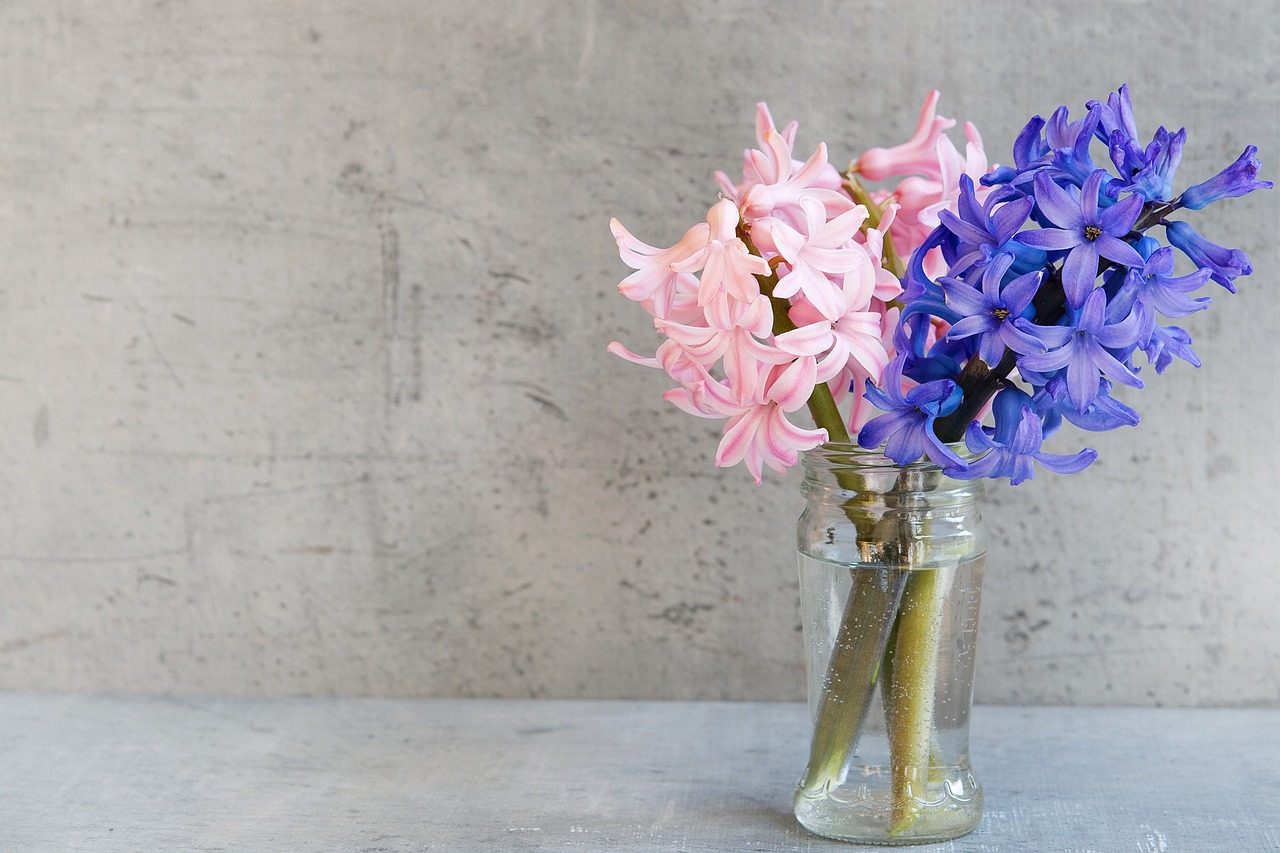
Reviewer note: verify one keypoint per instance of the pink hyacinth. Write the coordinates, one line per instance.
(782, 186)
(821, 257)
(916, 156)
(928, 169)
(758, 432)
(726, 263)
(789, 249)
(655, 283)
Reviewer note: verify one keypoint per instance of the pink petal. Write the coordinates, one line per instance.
(813, 167)
(758, 317)
(835, 261)
(741, 269)
(727, 186)
(622, 352)
(887, 285)
(689, 399)
(764, 121)
(818, 289)
(975, 155)
(739, 434)
(813, 339)
(840, 229)
(915, 156)
(712, 274)
(784, 439)
(723, 219)
(788, 241)
(870, 355)
(791, 388)
(779, 156)
(860, 286)
(887, 216)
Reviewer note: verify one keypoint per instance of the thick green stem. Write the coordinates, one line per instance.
(822, 406)
(915, 676)
(850, 679)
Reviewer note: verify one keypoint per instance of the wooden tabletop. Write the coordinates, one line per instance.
(148, 774)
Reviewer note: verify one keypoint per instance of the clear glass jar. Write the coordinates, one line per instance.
(891, 562)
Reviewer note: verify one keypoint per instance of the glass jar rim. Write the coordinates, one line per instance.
(864, 455)
(828, 467)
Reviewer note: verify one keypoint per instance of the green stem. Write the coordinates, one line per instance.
(915, 661)
(822, 406)
(850, 679)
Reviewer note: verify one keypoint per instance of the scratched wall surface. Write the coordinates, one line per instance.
(303, 309)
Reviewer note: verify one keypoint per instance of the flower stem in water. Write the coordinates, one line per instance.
(915, 670)
(851, 676)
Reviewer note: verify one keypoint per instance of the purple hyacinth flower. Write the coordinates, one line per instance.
(1116, 115)
(1224, 265)
(1089, 233)
(1149, 170)
(1240, 178)
(1165, 342)
(907, 430)
(1155, 286)
(992, 311)
(1069, 141)
(1105, 413)
(985, 230)
(1082, 350)
(1016, 442)
(1030, 148)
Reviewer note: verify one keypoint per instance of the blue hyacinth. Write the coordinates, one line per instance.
(1054, 281)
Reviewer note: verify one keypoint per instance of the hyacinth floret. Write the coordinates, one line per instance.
(1085, 350)
(1016, 442)
(987, 229)
(1224, 265)
(907, 430)
(992, 311)
(1086, 231)
(1238, 179)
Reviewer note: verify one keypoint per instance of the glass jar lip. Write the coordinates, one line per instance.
(850, 468)
(835, 453)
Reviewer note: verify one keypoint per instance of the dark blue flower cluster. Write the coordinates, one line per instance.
(1052, 286)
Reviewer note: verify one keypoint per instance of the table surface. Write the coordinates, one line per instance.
(142, 773)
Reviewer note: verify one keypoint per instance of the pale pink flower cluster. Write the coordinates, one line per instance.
(792, 225)
(927, 168)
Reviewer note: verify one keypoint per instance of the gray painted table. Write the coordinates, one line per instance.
(142, 774)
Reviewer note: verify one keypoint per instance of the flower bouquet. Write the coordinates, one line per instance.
(939, 319)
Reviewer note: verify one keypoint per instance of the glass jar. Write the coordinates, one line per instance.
(891, 562)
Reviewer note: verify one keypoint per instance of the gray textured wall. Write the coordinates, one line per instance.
(303, 308)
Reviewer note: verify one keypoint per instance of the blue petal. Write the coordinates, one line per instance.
(1073, 464)
(1017, 294)
(907, 444)
(1055, 203)
(875, 431)
(1080, 273)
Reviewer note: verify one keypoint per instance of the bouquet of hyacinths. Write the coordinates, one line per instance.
(957, 313)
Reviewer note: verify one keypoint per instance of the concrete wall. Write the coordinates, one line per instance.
(303, 308)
